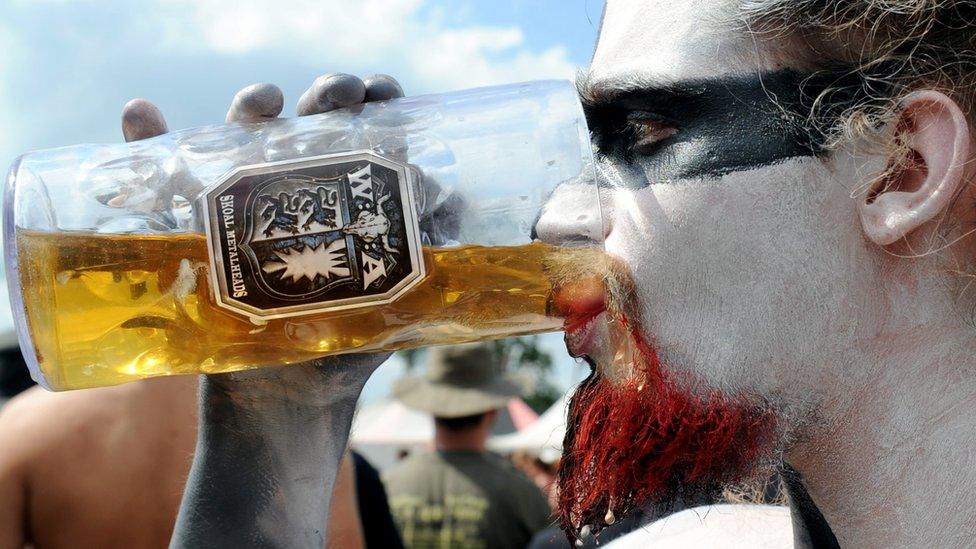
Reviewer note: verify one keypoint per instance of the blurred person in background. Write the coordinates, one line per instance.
(460, 495)
(379, 531)
(96, 468)
(105, 468)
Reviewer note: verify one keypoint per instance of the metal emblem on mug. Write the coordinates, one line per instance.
(312, 235)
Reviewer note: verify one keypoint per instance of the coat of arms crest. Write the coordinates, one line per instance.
(311, 235)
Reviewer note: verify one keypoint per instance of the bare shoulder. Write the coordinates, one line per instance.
(36, 419)
(104, 464)
(20, 419)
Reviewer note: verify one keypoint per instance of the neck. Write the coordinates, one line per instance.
(471, 440)
(892, 466)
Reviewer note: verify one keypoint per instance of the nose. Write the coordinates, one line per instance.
(571, 216)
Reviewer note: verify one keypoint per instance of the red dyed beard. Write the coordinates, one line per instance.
(653, 441)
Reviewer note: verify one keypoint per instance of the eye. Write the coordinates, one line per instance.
(647, 130)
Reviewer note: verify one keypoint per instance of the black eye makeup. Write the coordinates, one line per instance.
(707, 128)
(648, 131)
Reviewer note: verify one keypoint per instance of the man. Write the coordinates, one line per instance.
(788, 196)
(788, 199)
(105, 468)
(460, 495)
(97, 468)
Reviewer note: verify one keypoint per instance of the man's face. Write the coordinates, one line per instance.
(741, 242)
(748, 264)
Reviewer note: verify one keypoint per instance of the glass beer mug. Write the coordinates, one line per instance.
(387, 226)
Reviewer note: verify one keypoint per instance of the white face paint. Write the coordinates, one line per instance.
(761, 280)
(671, 40)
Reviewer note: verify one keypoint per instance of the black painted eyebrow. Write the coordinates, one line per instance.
(596, 94)
(722, 124)
(785, 88)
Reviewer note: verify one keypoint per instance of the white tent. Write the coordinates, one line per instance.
(544, 438)
(383, 429)
(391, 423)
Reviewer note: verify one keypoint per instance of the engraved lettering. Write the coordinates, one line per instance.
(233, 257)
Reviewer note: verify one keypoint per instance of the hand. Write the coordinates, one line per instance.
(270, 439)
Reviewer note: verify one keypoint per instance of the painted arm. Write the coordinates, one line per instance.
(268, 451)
(270, 440)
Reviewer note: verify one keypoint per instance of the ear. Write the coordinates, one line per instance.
(936, 132)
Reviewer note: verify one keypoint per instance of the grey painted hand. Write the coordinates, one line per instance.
(270, 439)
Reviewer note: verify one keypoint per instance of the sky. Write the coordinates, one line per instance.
(68, 66)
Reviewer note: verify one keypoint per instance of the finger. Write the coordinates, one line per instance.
(381, 87)
(330, 92)
(256, 103)
(142, 120)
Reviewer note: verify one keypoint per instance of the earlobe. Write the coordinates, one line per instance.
(935, 132)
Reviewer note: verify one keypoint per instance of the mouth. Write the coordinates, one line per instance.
(583, 306)
(581, 335)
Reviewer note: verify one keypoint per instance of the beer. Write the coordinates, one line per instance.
(104, 309)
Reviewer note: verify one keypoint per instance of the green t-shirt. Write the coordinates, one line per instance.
(464, 500)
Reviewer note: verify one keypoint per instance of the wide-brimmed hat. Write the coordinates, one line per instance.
(461, 380)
